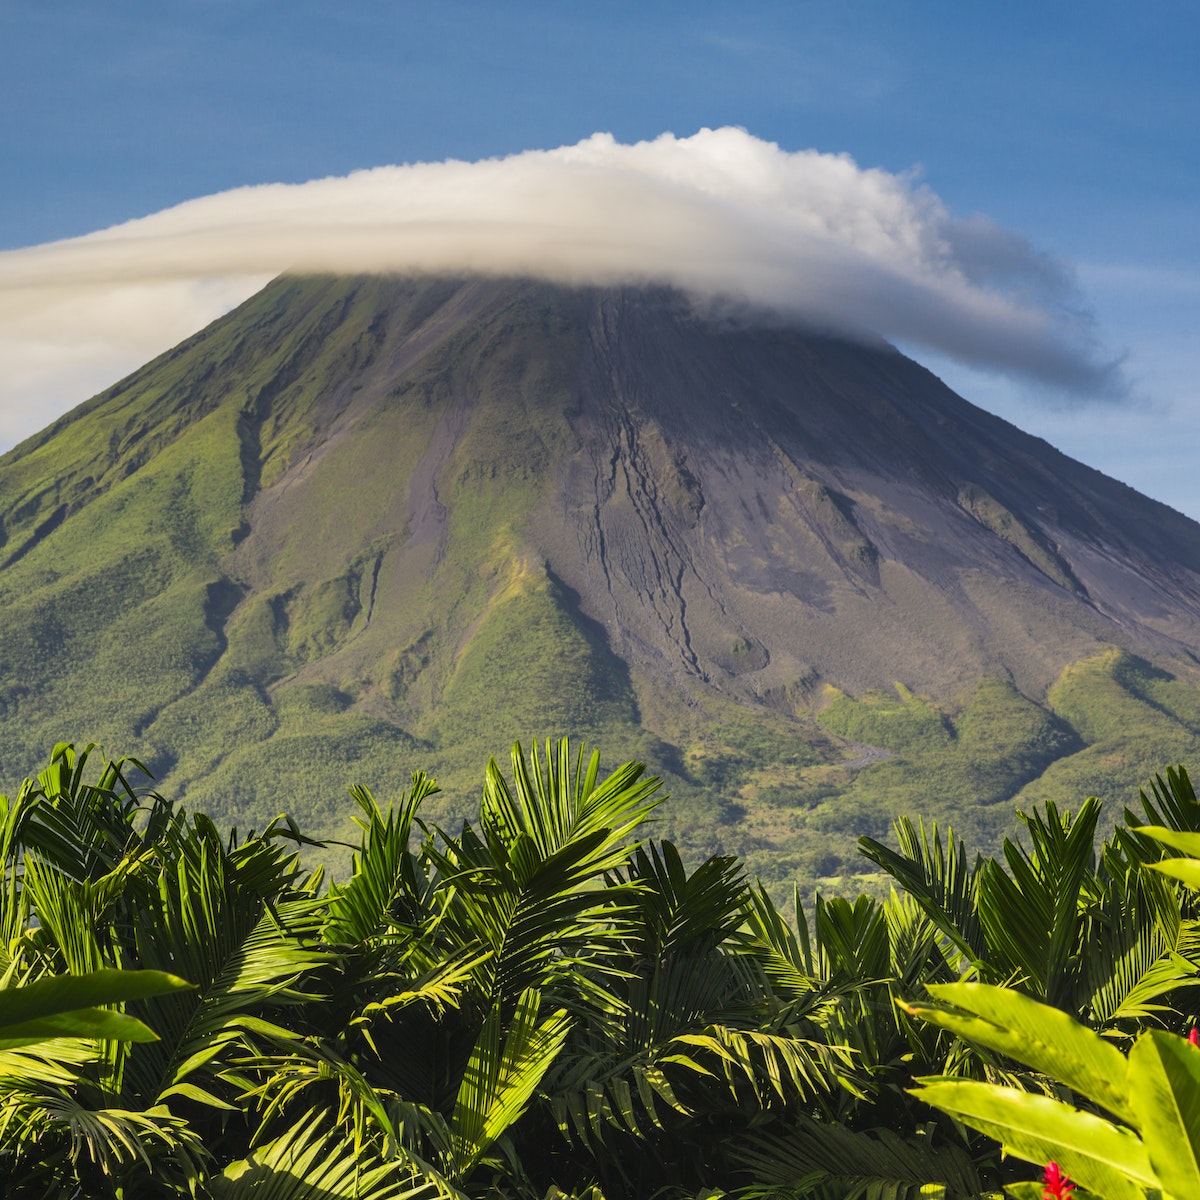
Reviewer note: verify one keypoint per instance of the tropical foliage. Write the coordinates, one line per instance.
(1138, 1134)
(547, 1003)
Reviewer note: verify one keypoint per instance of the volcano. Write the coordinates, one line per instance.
(361, 526)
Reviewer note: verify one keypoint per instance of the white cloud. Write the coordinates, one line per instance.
(719, 214)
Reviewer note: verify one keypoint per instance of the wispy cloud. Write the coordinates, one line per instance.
(810, 235)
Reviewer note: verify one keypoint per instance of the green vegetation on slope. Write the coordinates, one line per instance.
(1129, 715)
(527, 658)
(118, 613)
(1105, 724)
(958, 766)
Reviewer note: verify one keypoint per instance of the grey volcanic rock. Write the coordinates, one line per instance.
(752, 507)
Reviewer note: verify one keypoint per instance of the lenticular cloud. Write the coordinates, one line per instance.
(721, 214)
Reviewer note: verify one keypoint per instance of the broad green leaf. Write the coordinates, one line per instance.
(1186, 870)
(66, 1006)
(1105, 1158)
(79, 1023)
(1038, 1035)
(1164, 1086)
(1186, 843)
(61, 993)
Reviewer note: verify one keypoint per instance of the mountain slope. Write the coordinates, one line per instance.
(360, 526)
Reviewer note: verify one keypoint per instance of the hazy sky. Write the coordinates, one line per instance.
(1010, 191)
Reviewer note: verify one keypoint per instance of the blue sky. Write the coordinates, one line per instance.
(1073, 124)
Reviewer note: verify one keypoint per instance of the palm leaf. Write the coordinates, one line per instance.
(831, 1162)
(768, 1065)
(383, 877)
(220, 922)
(306, 1073)
(114, 1141)
(501, 1076)
(786, 959)
(938, 877)
(528, 888)
(312, 1162)
(1172, 803)
(1031, 916)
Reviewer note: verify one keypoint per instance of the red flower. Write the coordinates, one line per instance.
(1058, 1185)
(1194, 1036)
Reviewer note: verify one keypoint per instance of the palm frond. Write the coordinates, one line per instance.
(915, 946)
(1133, 959)
(241, 948)
(677, 913)
(504, 1070)
(593, 1097)
(383, 884)
(786, 957)
(310, 1072)
(312, 1162)
(83, 829)
(768, 1066)
(1172, 803)
(555, 804)
(830, 1162)
(111, 1141)
(1031, 915)
(528, 888)
(439, 988)
(938, 877)
(853, 937)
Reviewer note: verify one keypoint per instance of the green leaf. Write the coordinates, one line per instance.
(190, 1092)
(875, 1164)
(384, 874)
(940, 879)
(310, 1161)
(66, 1006)
(1038, 1035)
(1030, 912)
(79, 1023)
(1164, 1085)
(1105, 1158)
(1187, 843)
(502, 1075)
(61, 993)
(1186, 870)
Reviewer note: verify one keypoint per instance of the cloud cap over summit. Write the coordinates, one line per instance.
(809, 235)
